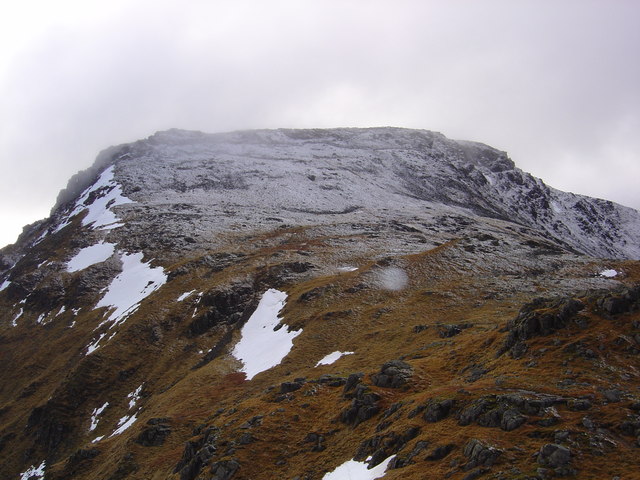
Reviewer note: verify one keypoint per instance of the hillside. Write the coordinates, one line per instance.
(286, 303)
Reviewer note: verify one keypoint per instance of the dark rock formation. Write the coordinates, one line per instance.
(155, 433)
(540, 317)
(393, 374)
(363, 406)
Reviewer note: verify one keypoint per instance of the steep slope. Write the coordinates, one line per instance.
(174, 315)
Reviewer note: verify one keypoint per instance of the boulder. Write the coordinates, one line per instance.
(553, 455)
(438, 410)
(440, 452)
(224, 469)
(512, 419)
(352, 381)
(578, 404)
(480, 454)
(393, 374)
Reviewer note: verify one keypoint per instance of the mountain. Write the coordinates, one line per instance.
(310, 303)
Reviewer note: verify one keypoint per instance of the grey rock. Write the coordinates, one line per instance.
(288, 387)
(553, 455)
(578, 404)
(438, 410)
(612, 396)
(447, 331)
(352, 381)
(363, 406)
(401, 462)
(538, 318)
(440, 452)
(155, 433)
(393, 374)
(512, 419)
(480, 454)
(225, 469)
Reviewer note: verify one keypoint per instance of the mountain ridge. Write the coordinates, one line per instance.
(474, 315)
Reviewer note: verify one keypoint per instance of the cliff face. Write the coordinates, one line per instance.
(273, 304)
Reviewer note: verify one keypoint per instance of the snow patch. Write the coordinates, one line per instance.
(195, 310)
(97, 439)
(95, 414)
(88, 256)
(61, 311)
(261, 347)
(14, 322)
(134, 397)
(608, 273)
(34, 473)
(93, 346)
(4, 285)
(332, 357)
(352, 470)
(124, 423)
(136, 282)
(184, 295)
(347, 269)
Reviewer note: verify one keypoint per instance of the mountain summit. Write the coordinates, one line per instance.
(315, 304)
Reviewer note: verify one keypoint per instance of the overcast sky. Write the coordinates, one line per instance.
(554, 83)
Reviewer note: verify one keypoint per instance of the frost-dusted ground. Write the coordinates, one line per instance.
(90, 256)
(352, 470)
(260, 347)
(307, 177)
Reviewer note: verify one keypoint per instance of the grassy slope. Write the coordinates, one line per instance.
(484, 286)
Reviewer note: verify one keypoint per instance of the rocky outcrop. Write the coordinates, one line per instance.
(378, 448)
(557, 458)
(438, 410)
(538, 318)
(155, 433)
(229, 305)
(196, 455)
(393, 374)
(623, 301)
(363, 406)
(224, 469)
(479, 453)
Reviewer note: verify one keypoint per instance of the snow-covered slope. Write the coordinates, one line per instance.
(201, 184)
